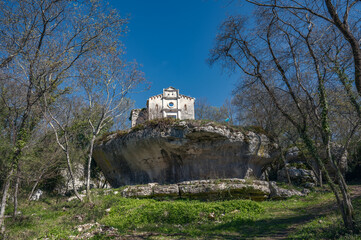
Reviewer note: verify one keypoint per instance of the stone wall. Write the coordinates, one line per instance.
(186, 105)
(154, 106)
(138, 116)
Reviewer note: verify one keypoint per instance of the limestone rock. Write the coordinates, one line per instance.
(310, 185)
(298, 176)
(281, 193)
(178, 151)
(37, 195)
(91, 230)
(75, 197)
(256, 190)
(139, 191)
(212, 189)
(306, 191)
(294, 155)
(171, 190)
(66, 187)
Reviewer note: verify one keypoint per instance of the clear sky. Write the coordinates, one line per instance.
(172, 39)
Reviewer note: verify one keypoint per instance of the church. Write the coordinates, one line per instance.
(170, 104)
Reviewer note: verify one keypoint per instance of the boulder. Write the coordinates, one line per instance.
(212, 189)
(298, 176)
(65, 187)
(282, 193)
(171, 190)
(294, 156)
(169, 152)
(75, 197)
(139, 191)
(310, 185)
(225, 188)
(36, 195)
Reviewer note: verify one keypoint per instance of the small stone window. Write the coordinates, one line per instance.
(185, 107)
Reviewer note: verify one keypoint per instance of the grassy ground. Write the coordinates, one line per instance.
(113, 217)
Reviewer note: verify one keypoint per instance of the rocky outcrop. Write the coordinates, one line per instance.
(297, 176)
(171, 151)
(294, 155)
(65, 186)
(212, 190)
(37, 195)
(282, 193)
(299, 166)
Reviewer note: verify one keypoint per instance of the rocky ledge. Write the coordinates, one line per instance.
(171, 151)
(212, 190)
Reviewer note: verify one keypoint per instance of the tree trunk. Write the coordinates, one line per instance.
(346, 204)
(16, 191)
(65, 149)
(89, 165)
(35, 185)
(344, 28)
(72, 176)
(286, 168)
(105, 183)
(3, 201)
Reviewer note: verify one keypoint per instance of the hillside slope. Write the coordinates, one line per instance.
(111, 216)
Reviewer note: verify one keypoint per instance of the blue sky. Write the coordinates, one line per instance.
(172, 39)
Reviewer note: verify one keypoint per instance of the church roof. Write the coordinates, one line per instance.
(184, 96)
(170, 88)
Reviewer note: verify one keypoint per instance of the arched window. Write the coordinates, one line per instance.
(185, 107)
(156, 108)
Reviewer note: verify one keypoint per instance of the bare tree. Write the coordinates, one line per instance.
(344, 15)
(60, 125)
(285, 54)
(106, 80)
(205, 111)
(43, 39)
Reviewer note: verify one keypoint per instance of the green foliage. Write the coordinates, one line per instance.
(162, 122)
(137, 127)
(106, 136)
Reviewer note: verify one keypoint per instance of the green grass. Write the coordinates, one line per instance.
(311, 217)
(151, 214)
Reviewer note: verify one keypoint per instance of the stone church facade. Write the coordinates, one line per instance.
(170, 104)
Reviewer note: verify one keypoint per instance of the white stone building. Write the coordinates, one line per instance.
(170, 104)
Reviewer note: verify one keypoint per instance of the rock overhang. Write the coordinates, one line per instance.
(170, 151)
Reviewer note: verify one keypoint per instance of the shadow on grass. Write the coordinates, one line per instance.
(271, 227)
(301, 223)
